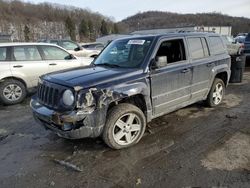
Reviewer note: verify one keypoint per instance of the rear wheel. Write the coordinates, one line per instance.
(12, 91)
(216, 93)
(124, 127)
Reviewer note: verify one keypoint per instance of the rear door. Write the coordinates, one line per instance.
(58, 59)
(27, 63)
(202, 66)
(170, 84)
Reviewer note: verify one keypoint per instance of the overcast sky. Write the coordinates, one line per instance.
(120, 9)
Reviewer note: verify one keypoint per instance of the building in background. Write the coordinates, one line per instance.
(223, 30)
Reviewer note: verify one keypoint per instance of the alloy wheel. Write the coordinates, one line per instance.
(218, 93)
(127, 129)
(12, 92)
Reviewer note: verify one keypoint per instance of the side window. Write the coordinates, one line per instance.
(216, 45)
(195, 47)
(54, 53)
(3, 54)
(99, 46)
(26, 53)
(172, 50)
(69, 45)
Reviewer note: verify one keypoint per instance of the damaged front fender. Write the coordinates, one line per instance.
(93, 98)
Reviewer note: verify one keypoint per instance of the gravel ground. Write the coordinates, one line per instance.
(192, 147)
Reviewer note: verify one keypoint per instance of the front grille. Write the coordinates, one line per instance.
(48, 95)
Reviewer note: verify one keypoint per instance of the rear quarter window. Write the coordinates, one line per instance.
(216, 45)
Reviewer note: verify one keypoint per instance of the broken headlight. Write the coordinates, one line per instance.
(87, 102)
(68, 98)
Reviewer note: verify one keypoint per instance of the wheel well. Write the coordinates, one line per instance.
(14, 78)
(223, 77)
(137, 100)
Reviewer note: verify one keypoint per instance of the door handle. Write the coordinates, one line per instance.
(185, 70)
(52, 64)
(17, 66)
(209, 64)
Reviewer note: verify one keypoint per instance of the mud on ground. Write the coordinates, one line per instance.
(192, 147)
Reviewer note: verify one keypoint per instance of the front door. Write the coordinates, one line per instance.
(58, 59)
(171, 84)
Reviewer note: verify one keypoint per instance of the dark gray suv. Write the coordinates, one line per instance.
(133, 81)
(247, 48)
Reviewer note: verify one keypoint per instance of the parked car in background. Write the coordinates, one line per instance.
(233, 48)
(93, 46)
(133, 81)
(73, 47)
(247, 48)
(240, 39)
(242, 34)
(21, 64)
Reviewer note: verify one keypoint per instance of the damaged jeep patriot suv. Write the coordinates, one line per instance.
(133, 81)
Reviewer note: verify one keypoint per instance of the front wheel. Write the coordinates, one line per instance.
(124, 127)
(216, 93)
(12, 92)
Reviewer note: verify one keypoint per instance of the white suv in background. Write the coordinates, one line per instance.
(73, 47)
(21, 64)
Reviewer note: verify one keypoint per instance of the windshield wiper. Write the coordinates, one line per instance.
(108, 65)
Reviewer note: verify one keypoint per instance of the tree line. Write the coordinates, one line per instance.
(159, 19)
(31, 22)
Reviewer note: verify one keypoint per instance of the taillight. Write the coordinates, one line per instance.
(242, 46)
(241, 49)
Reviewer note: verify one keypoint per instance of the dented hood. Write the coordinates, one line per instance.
(91, 76)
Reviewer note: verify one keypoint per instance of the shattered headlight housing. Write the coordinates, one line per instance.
(68, 98)
(87, 102)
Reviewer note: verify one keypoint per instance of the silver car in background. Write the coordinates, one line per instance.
(21, 64)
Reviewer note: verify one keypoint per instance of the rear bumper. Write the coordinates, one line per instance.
(50, 119)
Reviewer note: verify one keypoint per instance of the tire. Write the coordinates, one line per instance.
(130, 127)
(216, 93)
(13, 88)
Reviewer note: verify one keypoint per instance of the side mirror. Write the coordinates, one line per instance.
(70, 56)
(78, 48)
(159, 61)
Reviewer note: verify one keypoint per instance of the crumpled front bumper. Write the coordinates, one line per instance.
(54, 121)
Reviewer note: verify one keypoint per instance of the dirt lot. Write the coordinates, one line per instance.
(192, 147)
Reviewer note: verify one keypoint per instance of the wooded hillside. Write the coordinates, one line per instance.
(30, 22)
(157, 19)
